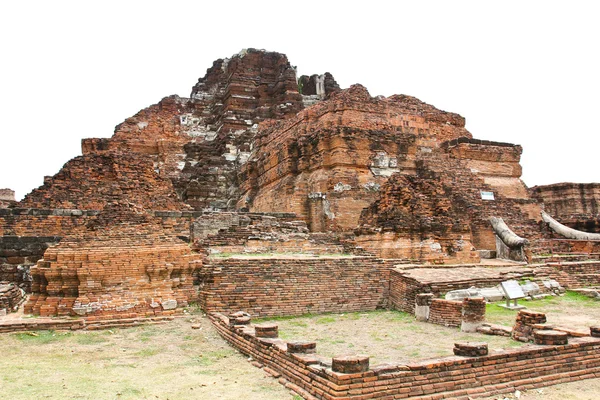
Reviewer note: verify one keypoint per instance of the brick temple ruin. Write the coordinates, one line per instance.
(362, 203)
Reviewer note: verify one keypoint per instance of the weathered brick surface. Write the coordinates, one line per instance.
(428, 219)
(566, 246)
(11, 296)
(246, 233)
(445, 312)
(122, 266)
(331, 158)
(39, 324)
(548, 337)
(469, 349)
(438, 214)
(576, 205)
(199, 142)
(18, 254)
(450, 377)
(525, 325)
(7, 198)
(91, 181)
(572, 274)
(277, 287)
(498, 164)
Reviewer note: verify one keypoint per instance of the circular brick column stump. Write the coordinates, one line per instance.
(267, 331)
(550, 337)
(531, 317)
(595, 331)
(471, 349)
(350, 364)
(523, 328)
(301, 347)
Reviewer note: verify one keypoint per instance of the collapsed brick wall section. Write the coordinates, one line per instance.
(19, 254)
(277, 287)
(450, 377)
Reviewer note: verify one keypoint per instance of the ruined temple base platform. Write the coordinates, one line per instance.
(463, 276)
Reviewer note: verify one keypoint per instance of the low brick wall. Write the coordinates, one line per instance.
(451, 377)
(403, 292)
(63, 324)
(278, 287)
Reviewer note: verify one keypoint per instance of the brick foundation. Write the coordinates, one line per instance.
(457, 377)
(123, 265)
(59, 324)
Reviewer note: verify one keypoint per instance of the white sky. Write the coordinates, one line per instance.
(525, 72)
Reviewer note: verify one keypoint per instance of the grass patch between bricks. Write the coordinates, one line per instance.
(573, 310)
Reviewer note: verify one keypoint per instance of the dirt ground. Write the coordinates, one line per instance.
(174, 361)
(386, 336)
(167, 361)
(582, 390)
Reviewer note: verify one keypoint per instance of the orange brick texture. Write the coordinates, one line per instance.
(278, 287)
(576, 205)
(344, 149)
(123, 266)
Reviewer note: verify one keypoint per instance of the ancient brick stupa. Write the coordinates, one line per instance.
(122, 265)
